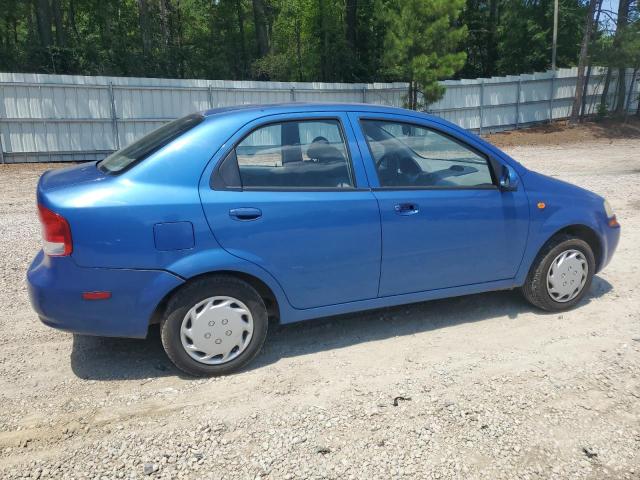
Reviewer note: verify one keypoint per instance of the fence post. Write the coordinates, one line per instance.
(1, 147)
(481, 106)
(551, 95)
(364, 94)
(518, 102)
(114, 117)
(210, 96)
(293, 94)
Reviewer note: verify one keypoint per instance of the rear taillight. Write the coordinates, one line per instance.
(56, 234)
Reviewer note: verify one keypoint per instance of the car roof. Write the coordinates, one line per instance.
(296, 107)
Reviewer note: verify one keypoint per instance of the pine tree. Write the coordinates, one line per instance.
(424, 45)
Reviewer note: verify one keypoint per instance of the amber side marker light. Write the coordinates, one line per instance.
(611, 216)
(96, 295)
(542, 205)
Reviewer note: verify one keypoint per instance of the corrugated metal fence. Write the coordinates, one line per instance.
(69, 118)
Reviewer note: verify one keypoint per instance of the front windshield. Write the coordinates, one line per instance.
(142, 148)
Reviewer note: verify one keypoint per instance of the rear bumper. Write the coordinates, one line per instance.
(56, 286)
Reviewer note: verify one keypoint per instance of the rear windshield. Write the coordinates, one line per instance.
(140, 149)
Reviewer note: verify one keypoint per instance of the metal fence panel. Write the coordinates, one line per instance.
(74, 117)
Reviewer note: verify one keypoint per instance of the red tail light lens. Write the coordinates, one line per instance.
(104, 295)
(56, 234)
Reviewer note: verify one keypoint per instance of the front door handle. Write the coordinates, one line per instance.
(245, 213)
(406, 208)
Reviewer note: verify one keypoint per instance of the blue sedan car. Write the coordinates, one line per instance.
(220, 221)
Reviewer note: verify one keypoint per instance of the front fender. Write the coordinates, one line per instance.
(555, 205)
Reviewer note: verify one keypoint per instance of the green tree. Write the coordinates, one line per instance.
(526, 30)
(310, 40)
(514, 36)
(582, 80)
(290, 55)
(424, 45)
(628, 56)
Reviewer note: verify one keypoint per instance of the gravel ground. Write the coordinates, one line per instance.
(474, 387)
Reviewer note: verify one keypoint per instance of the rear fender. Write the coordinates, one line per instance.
(218, 260)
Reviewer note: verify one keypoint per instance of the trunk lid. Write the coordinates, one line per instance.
(53, 180)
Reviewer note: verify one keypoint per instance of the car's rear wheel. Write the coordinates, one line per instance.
(561, 274)
(214, 326)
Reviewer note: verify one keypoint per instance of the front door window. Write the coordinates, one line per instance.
(407, 156)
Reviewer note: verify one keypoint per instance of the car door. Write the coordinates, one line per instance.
(291, 196)
(445, 222)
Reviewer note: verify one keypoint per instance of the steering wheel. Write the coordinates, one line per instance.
(387, 161)
(392, 162)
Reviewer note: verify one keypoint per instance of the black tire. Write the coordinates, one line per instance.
(535, 286)
(189, 296)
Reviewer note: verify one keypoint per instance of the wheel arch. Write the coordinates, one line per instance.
(266, 293)
(583, 232)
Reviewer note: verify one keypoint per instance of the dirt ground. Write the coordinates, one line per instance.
(482, 386)
(559, 133)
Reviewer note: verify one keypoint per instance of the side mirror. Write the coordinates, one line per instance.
(508, 179)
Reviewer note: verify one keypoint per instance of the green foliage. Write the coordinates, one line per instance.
(423, 45)
(527, 32)
(517, 38)
(307, 42)
(311, 40)
(626, 54)
(602, 112)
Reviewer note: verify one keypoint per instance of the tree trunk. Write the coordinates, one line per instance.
(584, 51)
(143, 19)
(628, 103)
(412, 97)
(621, 23)
(72, 26)
(176, 36)
(260, 20)
(299, 47)
(351, 19)
(492, 43)
(43, 19)
(14, 26)
(243, 49)
(57, 18)
(165, 8)
(324, 43)
(605, 91)
(585, 91)
(621, 90)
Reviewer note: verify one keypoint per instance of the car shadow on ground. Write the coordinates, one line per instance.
(100, 358)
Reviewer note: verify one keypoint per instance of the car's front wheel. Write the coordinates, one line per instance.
(214, 326)
(561, 274)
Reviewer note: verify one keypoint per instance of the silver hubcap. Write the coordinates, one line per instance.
(216, 330)
(567, 276)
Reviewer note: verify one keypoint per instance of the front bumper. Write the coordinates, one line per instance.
(611, 238)
(56, 285)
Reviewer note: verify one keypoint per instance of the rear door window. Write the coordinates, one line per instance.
(295, 155)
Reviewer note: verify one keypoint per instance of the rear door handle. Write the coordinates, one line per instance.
(245, 213)
(406, 208)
